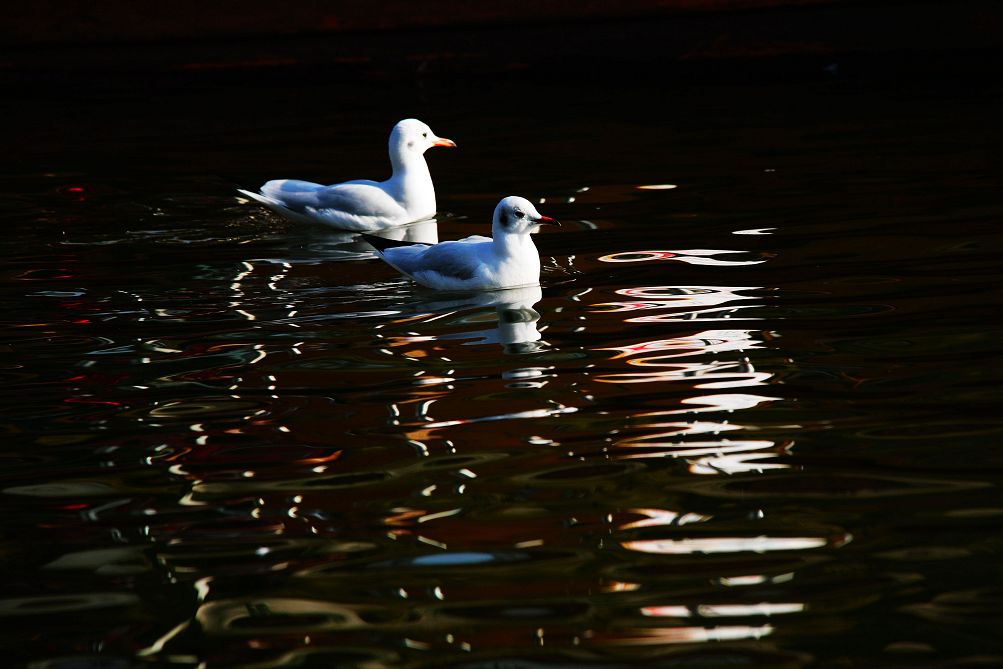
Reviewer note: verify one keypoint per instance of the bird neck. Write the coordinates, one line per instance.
(411, 183)
(512, 245)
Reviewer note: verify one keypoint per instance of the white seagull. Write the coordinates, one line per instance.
(361, 205)
(508, 260)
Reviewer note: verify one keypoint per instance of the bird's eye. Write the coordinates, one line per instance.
(425, 135)
(519, 214)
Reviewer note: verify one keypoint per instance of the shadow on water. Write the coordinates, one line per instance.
(749, 420)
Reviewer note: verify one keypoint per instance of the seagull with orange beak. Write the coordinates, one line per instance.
(364, 205)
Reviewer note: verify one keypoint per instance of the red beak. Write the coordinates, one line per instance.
(548, 220)
(442, 141)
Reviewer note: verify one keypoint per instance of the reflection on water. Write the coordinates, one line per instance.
(691, 256)
(517, 328)
(682, 302)
(323, 244)
(236, 442)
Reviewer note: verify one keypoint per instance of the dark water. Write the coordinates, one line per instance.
(751, 420)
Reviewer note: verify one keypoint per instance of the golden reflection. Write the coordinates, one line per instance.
(620, 586)
(404, 517)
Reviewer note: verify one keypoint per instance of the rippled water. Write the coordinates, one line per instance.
(750, 420)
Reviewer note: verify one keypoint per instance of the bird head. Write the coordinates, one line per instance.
(517, 215)
(411, 135)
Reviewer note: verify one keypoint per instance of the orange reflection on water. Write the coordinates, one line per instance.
(620, 586)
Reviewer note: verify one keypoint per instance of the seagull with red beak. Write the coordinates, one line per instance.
(508, 259)
(363, 205)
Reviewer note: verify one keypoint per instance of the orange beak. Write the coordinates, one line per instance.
(442, 141)
(547, 220)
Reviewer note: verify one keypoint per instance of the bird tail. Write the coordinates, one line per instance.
(381, 244)
(257, 197)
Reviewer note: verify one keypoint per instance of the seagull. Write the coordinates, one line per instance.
(508, 260)
(362, 205)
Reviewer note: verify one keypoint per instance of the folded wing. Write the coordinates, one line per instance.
(356, 205)
(456, 265)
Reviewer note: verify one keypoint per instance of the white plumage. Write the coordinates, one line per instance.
(508, 259)
(363, 205)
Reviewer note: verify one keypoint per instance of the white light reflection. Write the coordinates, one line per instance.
(694, 448)
(709, 403)
(441, 514)
(689, 256)
(666, 635)
(722, 610)
(158, 645)
(660, 517)
(663, 360)
(687, 303)
(735, 464)
(707, 545)
(431, 542)
(708, 341)
(713, 375)
(417, 645)
(754, 231)
(532, 413)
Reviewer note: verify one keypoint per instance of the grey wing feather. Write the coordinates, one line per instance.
(444, 258)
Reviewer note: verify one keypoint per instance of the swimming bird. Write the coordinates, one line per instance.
(508, 259)
(361, 205)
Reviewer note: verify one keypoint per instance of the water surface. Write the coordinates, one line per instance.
(750, 419)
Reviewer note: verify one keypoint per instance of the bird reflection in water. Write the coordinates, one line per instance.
(324, 244)
(517, 330)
